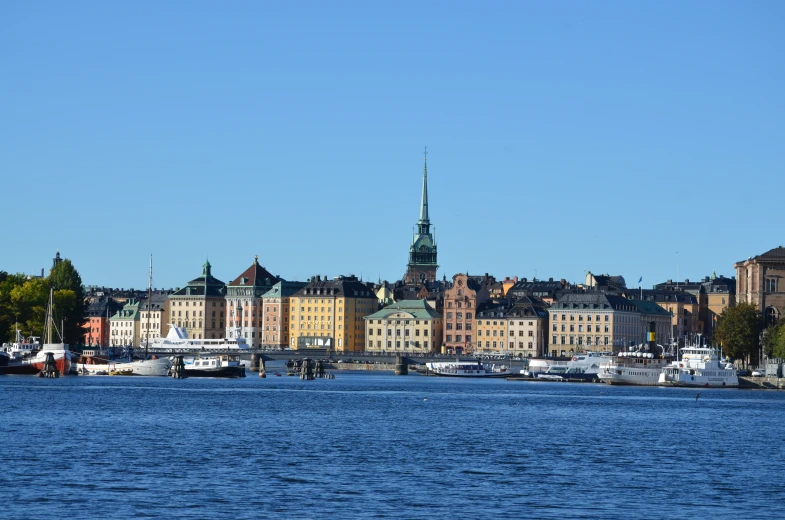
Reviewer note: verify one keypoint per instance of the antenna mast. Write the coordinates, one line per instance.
(149, 306)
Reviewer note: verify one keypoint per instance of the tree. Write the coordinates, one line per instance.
(9, 315)
(774, 340)
(738, 331)
(70, 304)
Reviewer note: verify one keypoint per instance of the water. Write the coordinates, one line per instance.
(375, 445)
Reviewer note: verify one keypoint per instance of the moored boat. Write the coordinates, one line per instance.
(635, 368)
(91, 366)
(699, 366)
(214, 366)
(584, 366)
(472, 369)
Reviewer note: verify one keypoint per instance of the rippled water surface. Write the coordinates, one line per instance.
(377, 445)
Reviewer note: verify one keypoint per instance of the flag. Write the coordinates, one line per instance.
(640, 279)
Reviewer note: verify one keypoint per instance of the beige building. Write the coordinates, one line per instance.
(154, 316)
(200, 306)
(527, 328)
(593, 321)
(124, 326)
(276, 313)
(407, 326)
(329, 314)
(761, 282)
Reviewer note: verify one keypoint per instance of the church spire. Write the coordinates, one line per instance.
(424, 204)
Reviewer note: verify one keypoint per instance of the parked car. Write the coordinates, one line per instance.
(744, 372)
(758, 373)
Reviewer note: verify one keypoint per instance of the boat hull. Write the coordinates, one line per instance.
(226, 372)
(62, 361)
(144, 367)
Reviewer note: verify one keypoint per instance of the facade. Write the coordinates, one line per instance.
(154, 317)
(329, 314)
(200, 306)
(244, 305)
(408, 326)
(491, 328)
(683, 307)
(761, 282)
(654, 319)
(527, 327)
(124, 326)
(422, 264)
(460, 303)
(595, 321)
(276, 313)
(720, 294)
(97, 326)
(605, 281)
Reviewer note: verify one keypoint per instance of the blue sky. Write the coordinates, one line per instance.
(621, 137)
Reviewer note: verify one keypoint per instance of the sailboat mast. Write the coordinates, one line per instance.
(149, 306)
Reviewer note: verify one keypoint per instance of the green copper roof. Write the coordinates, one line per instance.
(419, 309)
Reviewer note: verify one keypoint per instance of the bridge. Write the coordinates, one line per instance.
(410, 358)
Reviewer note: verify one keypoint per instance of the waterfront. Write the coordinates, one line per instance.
(376, 445)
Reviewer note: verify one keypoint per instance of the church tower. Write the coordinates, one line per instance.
(422, 253)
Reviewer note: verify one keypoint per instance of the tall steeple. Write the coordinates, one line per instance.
(422, 264)
(424, 201)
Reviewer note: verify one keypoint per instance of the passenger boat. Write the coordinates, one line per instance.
(13, 367)
(639, 368)
(22, 347)
(583, 366)
(699, 366)
(214, 366)
(177, 341)
(466, 369)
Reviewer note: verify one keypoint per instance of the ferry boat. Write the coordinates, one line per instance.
(699, 366)
(637, 367)
(583, 366)
(177, 341)
(466, 369)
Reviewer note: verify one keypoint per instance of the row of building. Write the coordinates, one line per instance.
(420, 313)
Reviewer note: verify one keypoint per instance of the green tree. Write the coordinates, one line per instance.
(774, 340)
(71, 308)
(29, 303)
(738, 332)
(9, 315)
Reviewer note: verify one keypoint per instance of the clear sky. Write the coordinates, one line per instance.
(621, 137)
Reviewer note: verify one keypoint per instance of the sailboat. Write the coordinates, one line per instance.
(60, 350)
(139, 367)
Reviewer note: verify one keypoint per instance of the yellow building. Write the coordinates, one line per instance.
(491, 328)
(407, 326)
(329, 314)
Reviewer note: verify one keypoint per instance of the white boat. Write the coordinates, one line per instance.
(177, 340)
(139, 367)
(637, 368)
(583, 366)
(466, 369)
(22, 347)
(699, 366)
(214, 366)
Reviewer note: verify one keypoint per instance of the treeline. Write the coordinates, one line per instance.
(741, 331)
(23, 304)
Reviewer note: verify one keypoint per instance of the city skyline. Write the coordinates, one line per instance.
(625, 139)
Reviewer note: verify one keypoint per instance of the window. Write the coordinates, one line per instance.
(531, 334)
(449, 315)
(449, 337)
(554, 340)
(469, 314)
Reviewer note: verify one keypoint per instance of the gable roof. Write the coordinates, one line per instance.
(255, 276)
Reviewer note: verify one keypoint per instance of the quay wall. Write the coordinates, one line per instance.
(773, 383)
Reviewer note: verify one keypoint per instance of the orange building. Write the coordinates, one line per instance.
(96, 328)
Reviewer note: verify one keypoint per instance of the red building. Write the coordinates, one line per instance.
(96, 328)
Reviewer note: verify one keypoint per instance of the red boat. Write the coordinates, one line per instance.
(61, 354)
